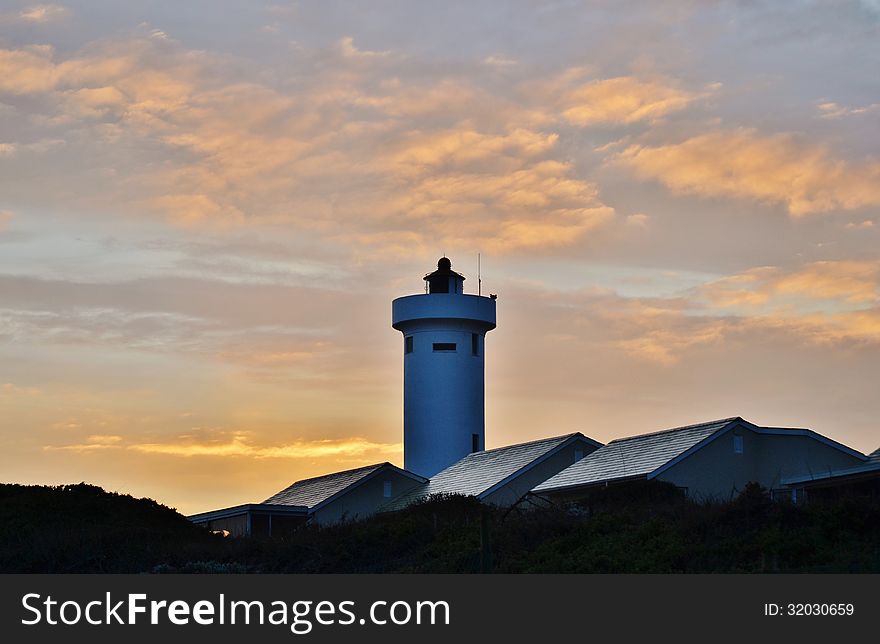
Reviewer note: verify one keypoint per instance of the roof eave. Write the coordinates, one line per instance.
(578, 486)
(244, 508)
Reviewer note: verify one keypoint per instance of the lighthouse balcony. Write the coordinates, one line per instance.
(443, 306)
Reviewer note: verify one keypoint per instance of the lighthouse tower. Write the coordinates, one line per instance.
(444, 332)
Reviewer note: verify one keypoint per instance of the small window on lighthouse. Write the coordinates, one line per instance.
(475, 443)
(408, 344)
(386, 489)
(444, 346)
(475, 344)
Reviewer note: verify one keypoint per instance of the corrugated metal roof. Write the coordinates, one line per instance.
(311, 492)
(634, 456)
(478, 472)
(875, 455)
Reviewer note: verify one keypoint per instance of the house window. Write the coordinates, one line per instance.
(444, 346)
(386, 489)
(578, 455)
(737, 444)
(475, 443)
(475, 344)
(408, 344)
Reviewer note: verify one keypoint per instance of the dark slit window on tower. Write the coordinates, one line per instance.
(475, 344)
(408, 344)
(444, 346)
(475, 443)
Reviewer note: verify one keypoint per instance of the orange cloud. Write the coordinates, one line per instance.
(239, 446)
(666, 346)
(850, 282)
(622, 100)
(343, 155)
(460, 147)
(744, 164)
(42, 13)
(32, 70)
(824, 302)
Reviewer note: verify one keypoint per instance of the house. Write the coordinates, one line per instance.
(504, 475)
(342, 496)
(348, 495)
(861, 480)
(253, 519)
(713, 460)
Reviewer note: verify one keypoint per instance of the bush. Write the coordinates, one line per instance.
(643, 528)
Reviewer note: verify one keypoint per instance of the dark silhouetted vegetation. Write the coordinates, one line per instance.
(642, 528)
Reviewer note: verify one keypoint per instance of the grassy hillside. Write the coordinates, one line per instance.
(650, 528)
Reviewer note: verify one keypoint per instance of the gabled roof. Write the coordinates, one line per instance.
(648, 455)
(319, 491)
(635, 456)
(481, 473)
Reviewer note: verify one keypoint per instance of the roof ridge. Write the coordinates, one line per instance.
(677, 429)
(532, 442)
(331, 474)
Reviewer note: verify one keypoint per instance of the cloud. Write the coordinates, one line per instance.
(741, 163)
(827, 302)
(239, 445)
(36, 14)
(624, 99)
(346, 46)
(33, 70)
(831, 110)
(847, 281)
(358, 150)
(499, 61)
(93, 443)
(500, 189)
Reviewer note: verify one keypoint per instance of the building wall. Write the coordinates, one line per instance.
(236, 526)
(519, 487)
(717, 472)
(365, 499)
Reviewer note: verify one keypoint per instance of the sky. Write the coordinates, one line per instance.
(206, 208)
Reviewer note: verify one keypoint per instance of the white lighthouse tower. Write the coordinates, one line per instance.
(444, 332)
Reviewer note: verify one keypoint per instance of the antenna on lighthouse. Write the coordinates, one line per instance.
(479, 277)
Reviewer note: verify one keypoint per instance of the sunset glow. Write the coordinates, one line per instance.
(207, 207)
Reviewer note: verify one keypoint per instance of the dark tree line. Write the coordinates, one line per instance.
(638, 528)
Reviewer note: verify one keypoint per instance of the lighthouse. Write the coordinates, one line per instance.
(444, 332)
